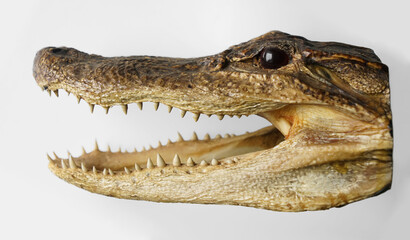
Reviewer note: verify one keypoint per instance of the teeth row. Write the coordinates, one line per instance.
(176, 162)
(124, 107)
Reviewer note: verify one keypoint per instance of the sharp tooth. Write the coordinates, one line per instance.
(156, 105)
(83, 167)
(56, 92)
(227, 135)
(68, 93)
(218, 136)
(63, 165)
(119, 149)
(124, 108)
(108, 148)
(106, 109)
(196, 116)
(176, 162)
(159, 144)
(194, 137)
(220, 117)
(209, 115)
(169, 109)
(110, 172)
(78, 99)
(55, 156)
(50, 159)
(83, 149)
(231, 116)
(169, 141)
(190, 162)
(137, 167)
(91, 107)
(180, 138)
(71, 162)
(207, 137)
(143, 149)
(214, 162)
(229, 161)
(203, 163)
(127, 171)
(149, 163)
(160, 161)
(239, 116)
(49, 92)
(96, 146)
(235, 159)
(105, 171)
(150, 147)
(135, 149)
(139, 105)
(183, 112)
(94, 170)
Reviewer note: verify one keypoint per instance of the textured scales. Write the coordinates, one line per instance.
(330, 142)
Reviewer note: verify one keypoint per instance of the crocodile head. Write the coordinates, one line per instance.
(330, 142)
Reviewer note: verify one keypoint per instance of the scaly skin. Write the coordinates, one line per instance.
(330, 143)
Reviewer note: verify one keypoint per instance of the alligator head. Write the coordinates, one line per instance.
(330, 142)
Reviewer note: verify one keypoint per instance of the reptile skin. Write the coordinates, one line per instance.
(330, 142)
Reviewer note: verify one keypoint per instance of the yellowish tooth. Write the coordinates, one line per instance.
(177, 161)
(83, 167)
(150, 164)
(209, 115)
(218, 136)
(214, 162)
(50, 159)
(150, 147)
(105, 171)
(183, 112)
(124, 108)
(139, 105)
(78, 99)
(91, 107)
(56, 92)
(227, 135)
(137, 167)
(71, 162)
(190, 162)
(144, 149)
(63, 165)
(110, 172)
(127, 171)
(96, 146)
(283, 126)
(49, 92)
(169, 109)
(169, 141)
(207, 137)
(83, 150)
(239, 116)
(235, 159)
(108, 148)
(94, 170)
(194, 137)
(68, 93)
(220, 117)
(203, 163)
(180, 138)
(106, 109)
(119, 149)
(156, 105)
(229, 161)
(55, 156)
(159, 144)
(196, 116)
(160, 161)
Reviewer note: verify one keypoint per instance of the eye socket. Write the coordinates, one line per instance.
(273, 58)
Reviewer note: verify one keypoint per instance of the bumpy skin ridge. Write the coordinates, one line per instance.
(330, 105)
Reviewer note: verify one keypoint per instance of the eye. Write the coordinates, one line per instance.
(273, 58)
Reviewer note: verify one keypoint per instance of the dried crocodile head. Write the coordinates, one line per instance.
(329, 103)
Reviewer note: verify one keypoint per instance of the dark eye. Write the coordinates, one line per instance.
(273, 58)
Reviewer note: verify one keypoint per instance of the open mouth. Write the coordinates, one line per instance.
(330, 142)
(194, 152)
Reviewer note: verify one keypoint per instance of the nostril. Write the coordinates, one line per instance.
(56, 50)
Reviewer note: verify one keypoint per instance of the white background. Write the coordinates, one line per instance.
(35, 204)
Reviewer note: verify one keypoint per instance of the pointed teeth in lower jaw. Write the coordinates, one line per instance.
(176, 162)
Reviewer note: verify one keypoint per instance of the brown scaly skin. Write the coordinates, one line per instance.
(330, 143)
